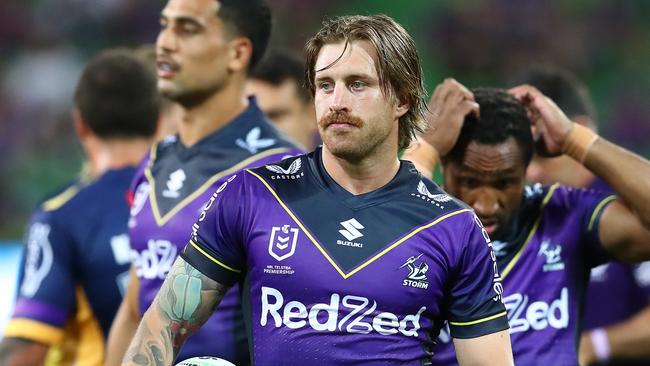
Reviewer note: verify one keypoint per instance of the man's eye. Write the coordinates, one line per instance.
(189, 29)
(325, 85)
(357, 85)
(470, 183)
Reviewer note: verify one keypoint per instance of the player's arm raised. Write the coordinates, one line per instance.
(450, 103)
(624, 228)
(185, 301)
(125, 322)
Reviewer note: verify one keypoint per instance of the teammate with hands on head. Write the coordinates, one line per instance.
(546, 239)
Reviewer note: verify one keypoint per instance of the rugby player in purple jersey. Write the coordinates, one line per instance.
(617, 303)
(347, 255)
(204, 51)
(546, 238)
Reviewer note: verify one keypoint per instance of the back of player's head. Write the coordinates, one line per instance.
(117, 96)
(501, 117)
(250, 19)
(279, 66)
(398, 63)
(563, 87)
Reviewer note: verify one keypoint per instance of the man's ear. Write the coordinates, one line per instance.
(401, 107)
(241, 51)
(80, 125)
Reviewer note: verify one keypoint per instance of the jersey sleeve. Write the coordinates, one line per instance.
(475, 306)
(216, 246)
(46, 294)
(589, 205)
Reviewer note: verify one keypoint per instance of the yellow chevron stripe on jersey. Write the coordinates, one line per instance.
(514, 259)
(478, 321)
(33, 330)
(213, 258)
(368, 261)
(59, 200)
(597, 210)
(162, 220)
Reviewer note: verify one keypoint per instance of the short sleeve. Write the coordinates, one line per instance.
(590, 205)
(216, 244)
(46, 295)
(475, 306)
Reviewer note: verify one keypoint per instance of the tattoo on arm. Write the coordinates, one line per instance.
(185, 301)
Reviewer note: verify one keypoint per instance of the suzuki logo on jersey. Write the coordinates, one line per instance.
(156, 260)
(351, 227)
(38, 258)
(552, 254)
(351, 232)
(282, 243)
(426, 195)
(290, 173)
(537, 315)
(356, 311)
(253, 141)
(174, 184)
(417, 273)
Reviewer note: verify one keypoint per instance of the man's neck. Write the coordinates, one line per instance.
(213, 114)
(104, 155)
(362, 176)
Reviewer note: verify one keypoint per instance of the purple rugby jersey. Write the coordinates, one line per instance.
(545, 262)
(616, 290)
(169, 192)
(332, 278)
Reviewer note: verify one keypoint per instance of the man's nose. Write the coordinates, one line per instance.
(486, 203)
(339, 103)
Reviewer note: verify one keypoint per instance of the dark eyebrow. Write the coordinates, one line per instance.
(188, 20)
(501, 173)
(359, 76)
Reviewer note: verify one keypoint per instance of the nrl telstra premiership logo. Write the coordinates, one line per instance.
(282, 243)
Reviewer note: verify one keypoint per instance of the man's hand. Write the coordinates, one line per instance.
(450, 103)
(550, 125)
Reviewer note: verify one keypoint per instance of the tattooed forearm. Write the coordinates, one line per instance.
(185, 301)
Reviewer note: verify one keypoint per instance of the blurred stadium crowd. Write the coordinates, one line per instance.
(45, 43)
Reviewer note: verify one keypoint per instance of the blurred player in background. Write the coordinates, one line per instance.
(617, 315)
(278, 83)
(327, 280)
(204, 50)
(546, 238)
(77, 248)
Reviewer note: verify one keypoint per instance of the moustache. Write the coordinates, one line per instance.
(340, 117)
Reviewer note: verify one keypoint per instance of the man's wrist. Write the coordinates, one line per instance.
(579, 141)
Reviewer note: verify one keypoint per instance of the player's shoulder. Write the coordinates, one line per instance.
(430, 195)
(61, 196)
(83, 193)
(558, 197)
(289, 167)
